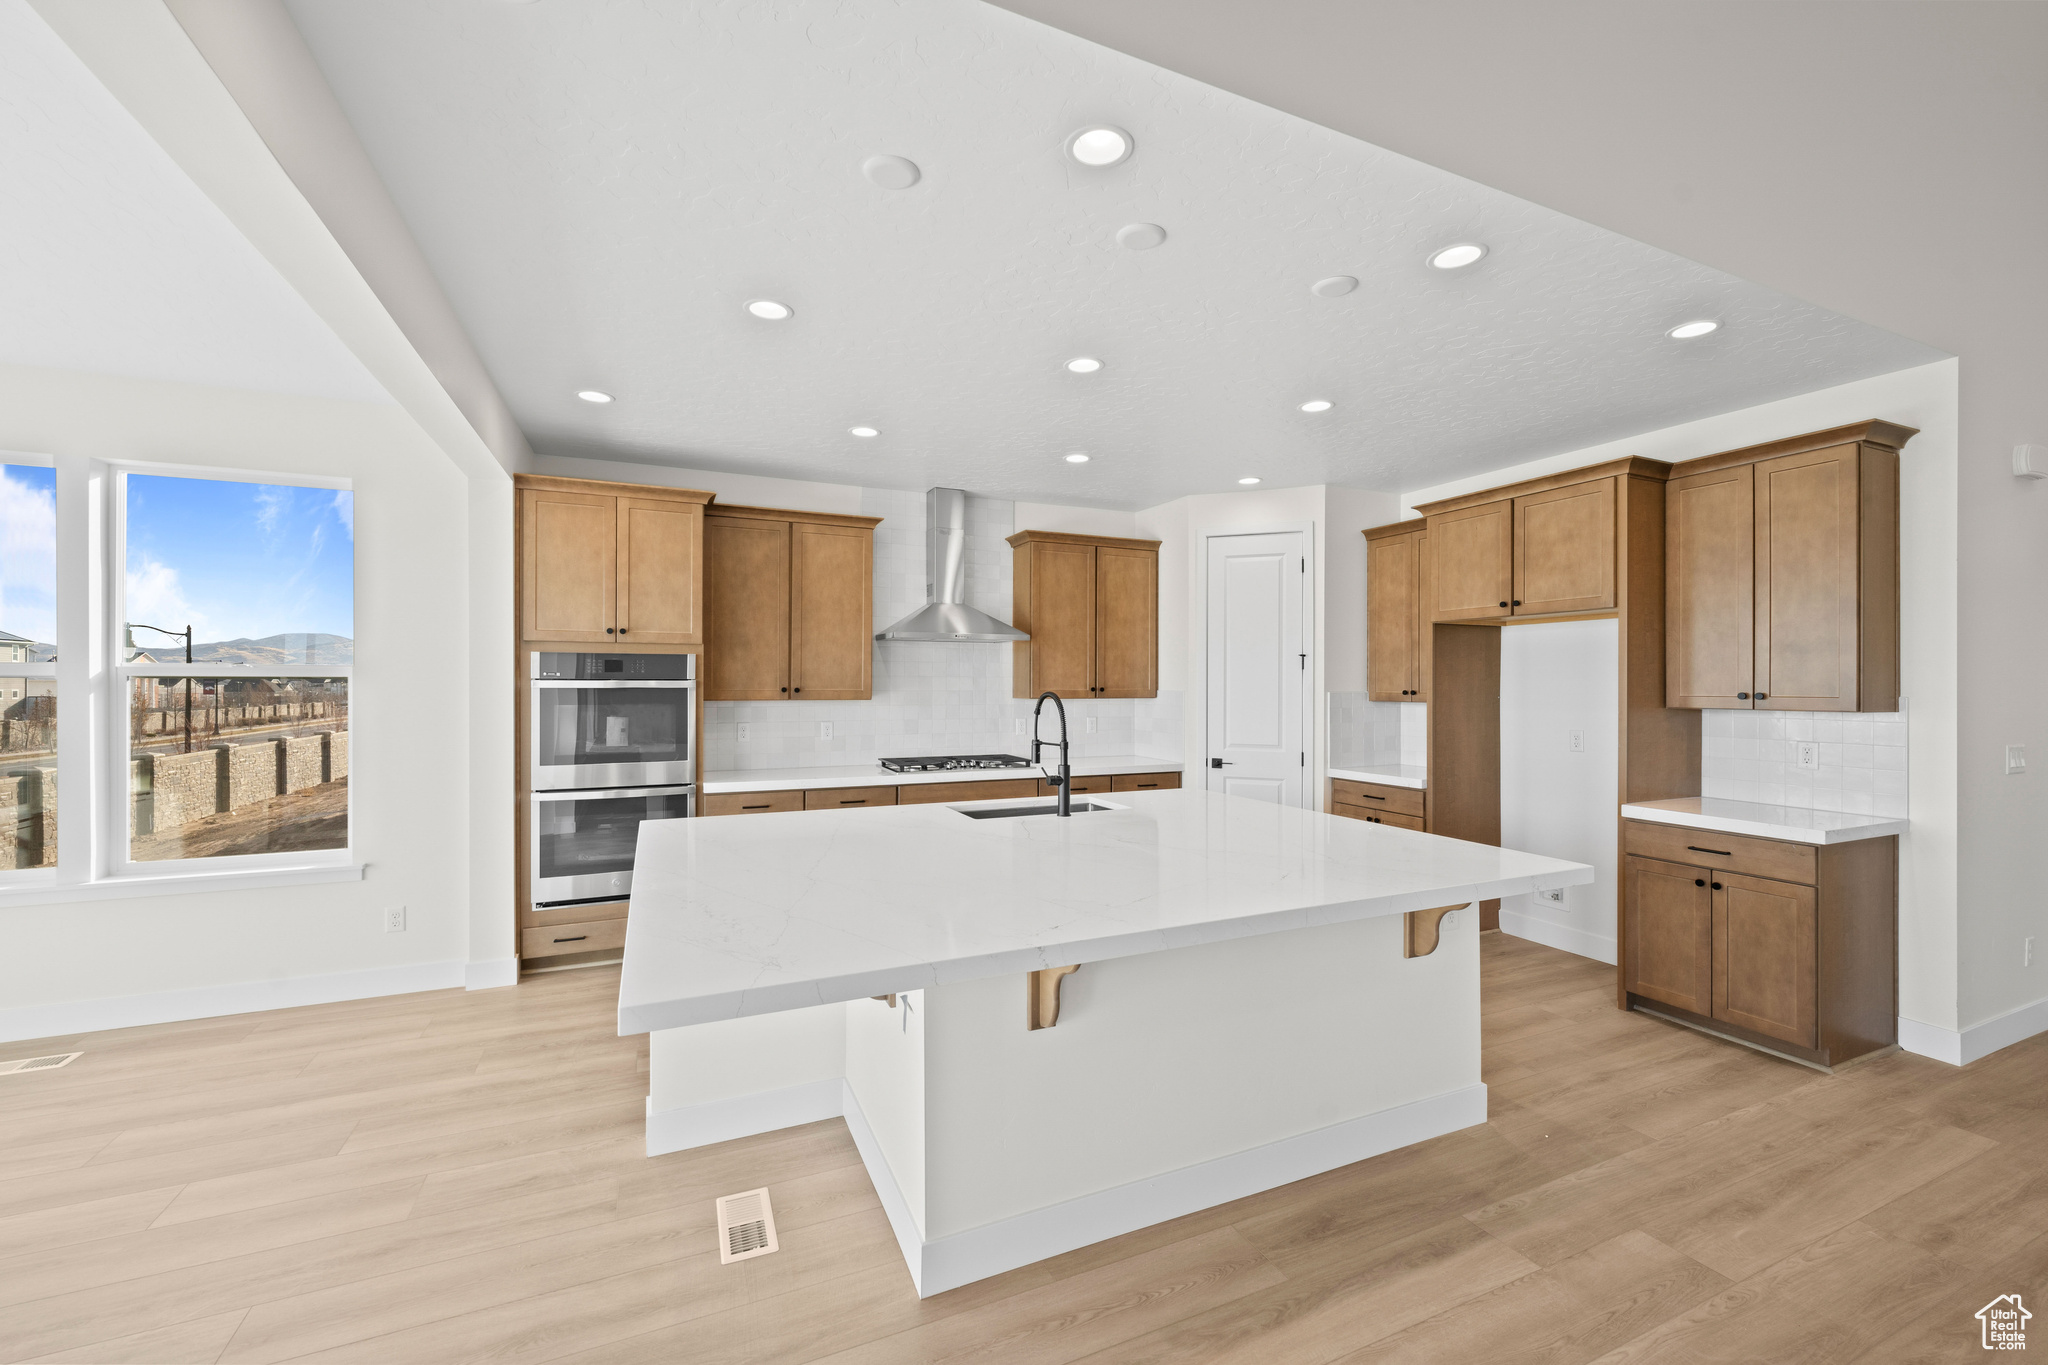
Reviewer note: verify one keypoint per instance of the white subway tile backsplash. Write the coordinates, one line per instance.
(1752, 756)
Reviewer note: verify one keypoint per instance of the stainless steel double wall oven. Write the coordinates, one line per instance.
(613, 744)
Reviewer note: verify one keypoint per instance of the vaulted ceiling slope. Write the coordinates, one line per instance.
(601, 188)
(116, 263)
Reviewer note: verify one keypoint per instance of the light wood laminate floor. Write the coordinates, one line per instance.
(454, 1177)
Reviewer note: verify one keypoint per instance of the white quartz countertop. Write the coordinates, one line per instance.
(874, 775)
(1794, 823)
(744, 917)
(1387, 775)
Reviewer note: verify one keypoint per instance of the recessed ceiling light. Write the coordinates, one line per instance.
(1456, 257)
(1084, 364)
(1686, 330)
(1247, 480)
(863, 432)
(1335, 287)
(1099, 145)
(891, 172)
(593, 396)
(1316, 405)
(768, 310)
(1077, 458)
(1140, 236)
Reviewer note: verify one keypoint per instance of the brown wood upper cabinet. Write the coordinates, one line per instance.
(1091, 607)
(610, 563)
(1782, 578)
(1541, 554)
(1393, 612)
(788, 605)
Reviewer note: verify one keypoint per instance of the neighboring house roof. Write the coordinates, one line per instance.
(10, 635)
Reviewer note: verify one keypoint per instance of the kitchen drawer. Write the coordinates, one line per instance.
(1145, 782)
(842, 798)
(929, 792)
(1401, 800)
(751, 803)
(1738, 853)
(573, 914)
(1083, 786)
(552, 940)
(1376, 816)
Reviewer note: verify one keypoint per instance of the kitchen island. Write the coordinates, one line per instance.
(1245, 1013)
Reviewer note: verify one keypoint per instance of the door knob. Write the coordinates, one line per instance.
(1717, 886)
(608, 630)
(1742, 696)
(1759, 696)
(1503, 604)
(1518, 601)
(1699, 881)
(1217, 763)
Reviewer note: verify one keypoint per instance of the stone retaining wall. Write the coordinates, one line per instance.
(28, 818)
(169, 790)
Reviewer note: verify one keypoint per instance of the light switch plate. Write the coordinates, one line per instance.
(1807, 755)
(1091, 725)
(2015, 759)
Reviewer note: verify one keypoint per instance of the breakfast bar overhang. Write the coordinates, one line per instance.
(1254, 1003)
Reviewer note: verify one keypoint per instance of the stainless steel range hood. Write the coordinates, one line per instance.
(945, 617)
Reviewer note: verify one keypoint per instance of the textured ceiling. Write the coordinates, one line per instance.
(602, 185)
(112, 261)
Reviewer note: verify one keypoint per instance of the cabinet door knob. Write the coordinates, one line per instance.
(608, 630)
(1699, 881)
(1503, 604)
(799, 689)
(1717, 886)
(1518, 601)
(1742, 696)
(785, 689)
(1759, 696)
(622, 630)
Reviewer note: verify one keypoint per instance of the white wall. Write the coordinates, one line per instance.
(417, 708)
(1925, 398)
(1556, 679)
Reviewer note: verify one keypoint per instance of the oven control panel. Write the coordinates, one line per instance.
(615, 667)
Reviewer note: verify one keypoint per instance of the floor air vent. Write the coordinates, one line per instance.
(746, 1227)
(39, 1063)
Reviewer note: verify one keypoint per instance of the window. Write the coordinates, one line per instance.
(28, 651)
(226, 652)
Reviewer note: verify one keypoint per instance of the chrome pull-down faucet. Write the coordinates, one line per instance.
(1065, 781)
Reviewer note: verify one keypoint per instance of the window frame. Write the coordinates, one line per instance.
(93, 687)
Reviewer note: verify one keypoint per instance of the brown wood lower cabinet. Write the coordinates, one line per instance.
(750, 803)
(1145, 782)
(1374, 797)
(1784, 945)
(843, 798)
(929, 793)
(926, 793)
(1376, 817)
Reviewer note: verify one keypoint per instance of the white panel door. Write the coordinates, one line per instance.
(1258, 661)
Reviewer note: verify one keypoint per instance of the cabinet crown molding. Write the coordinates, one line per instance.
(1409, 527)
(1889, 435)
(1627, 465)
(556, 484)
(1064, 538)
(729, 509)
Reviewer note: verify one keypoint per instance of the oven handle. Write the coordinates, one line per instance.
(602, 794)
(594, 685)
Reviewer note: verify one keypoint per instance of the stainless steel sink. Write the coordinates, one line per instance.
(1005, 812)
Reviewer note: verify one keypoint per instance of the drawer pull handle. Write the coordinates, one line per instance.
(1146, 786)
(1368, 796)
(762, 807)
(1717, 852)
(861, 802)
(578, 939)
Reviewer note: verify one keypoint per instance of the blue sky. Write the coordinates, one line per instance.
(28, 551)
(239, 559)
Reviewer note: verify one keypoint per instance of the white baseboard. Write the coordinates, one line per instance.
(205, 1002)
(1551, 934)
(1960, 1047)
(700, 1125)
(964, 1257)
(497, 971)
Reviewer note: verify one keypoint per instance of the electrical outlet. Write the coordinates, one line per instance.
(1550, 895)
(1020, 725)
(824, 729)
(1806, 754)
(1091, 725)
(394, 919)
(1575, 741)
(2015, 759)
(746, 732)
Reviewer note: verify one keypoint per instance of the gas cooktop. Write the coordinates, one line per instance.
(936, 763)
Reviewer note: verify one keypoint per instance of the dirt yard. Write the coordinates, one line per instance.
(314, 818)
